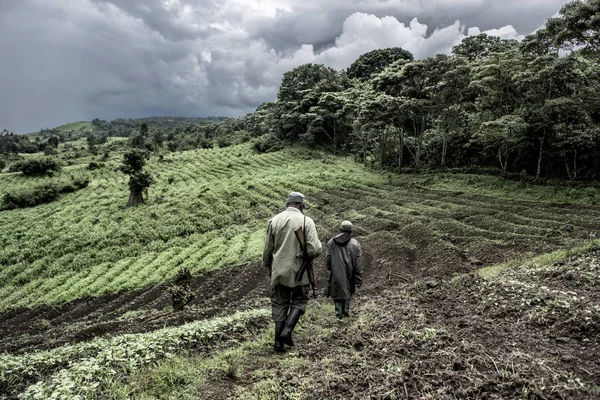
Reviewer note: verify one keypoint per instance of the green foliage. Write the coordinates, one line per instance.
(31, 198)
(267, 144)
(577, 26)
(134, 161)
(93, 165)
(42, 194)
(373, 62)
(476, 47)
(85, 368)
(36, 166)
(13, 143)
(140, 181)
(194, 222)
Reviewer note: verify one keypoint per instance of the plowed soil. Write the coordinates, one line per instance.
(489, 340)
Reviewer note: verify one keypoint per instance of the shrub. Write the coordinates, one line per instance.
(30, 198)
(223, 141)
(49, 150)
(267, 144)
(45, 193)
(77, 184)
(205, 144)
(93, 165)
(2, 164)
(38, 166)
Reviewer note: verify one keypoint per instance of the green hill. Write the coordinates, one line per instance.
(86, 267)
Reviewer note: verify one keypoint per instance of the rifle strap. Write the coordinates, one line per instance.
(304, 234)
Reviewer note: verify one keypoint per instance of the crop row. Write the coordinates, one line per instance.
(208, 209)
(78, 370)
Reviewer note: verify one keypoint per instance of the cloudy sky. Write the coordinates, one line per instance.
(70, 60)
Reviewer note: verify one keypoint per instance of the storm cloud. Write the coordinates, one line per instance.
(69, 60)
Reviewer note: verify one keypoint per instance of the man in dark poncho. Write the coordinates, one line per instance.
(345, 263)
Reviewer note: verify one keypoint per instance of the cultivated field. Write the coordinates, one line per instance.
(426, 324)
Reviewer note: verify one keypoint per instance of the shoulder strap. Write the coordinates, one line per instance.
(304, 230)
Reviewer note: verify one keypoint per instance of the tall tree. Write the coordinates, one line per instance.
(577, 26)
(370, 64)
(139, 180)
(480, 46)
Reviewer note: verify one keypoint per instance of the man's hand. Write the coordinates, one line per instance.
(358, 283)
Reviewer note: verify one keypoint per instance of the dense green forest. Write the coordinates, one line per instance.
(529, 107)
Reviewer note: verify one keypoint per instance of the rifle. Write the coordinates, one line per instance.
(306, 260)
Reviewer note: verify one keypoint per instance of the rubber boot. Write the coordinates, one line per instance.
(278, 339)
(290, 324)
(288, 340)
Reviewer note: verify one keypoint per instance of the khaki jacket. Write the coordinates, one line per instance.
(281, 247)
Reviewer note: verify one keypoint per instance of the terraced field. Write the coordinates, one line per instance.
(212, 214)
(87, 267)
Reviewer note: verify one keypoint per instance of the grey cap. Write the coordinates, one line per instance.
(295, 197)
(346, 226)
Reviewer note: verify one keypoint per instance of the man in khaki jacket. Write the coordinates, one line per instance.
(282, 256)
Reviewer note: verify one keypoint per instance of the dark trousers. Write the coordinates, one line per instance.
(342, 308)
(284, 298)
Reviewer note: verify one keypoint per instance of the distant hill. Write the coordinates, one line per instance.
(120, 126)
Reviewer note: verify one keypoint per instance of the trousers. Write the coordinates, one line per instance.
(284, 298)
(342, 308)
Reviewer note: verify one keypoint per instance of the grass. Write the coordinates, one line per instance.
(212, 214)
(542, 260)
(84, 368)
(73, 127)
(208, 209)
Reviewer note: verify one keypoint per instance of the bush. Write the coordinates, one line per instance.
(2, 165)
(94, 165)
(77, 184)
(223, 142)
(205, 144)
(41, 194)
(30, 198)
(49, 150)
(38, 166)
(268, 143)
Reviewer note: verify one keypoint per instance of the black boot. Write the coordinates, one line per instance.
(290, 324)
(278, 339)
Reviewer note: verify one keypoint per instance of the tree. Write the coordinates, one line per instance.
(300, 90)
(52, 141)
(370, 64)
(412, 83)
(502, 136)
(577, 26)
(139, 180)
(476, 47)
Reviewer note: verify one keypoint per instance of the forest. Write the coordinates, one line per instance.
(529, 107)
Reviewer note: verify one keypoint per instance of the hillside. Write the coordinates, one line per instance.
(85, 306)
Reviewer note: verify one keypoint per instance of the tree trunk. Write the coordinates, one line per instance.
(539, 166)
(381, 146)
(135, 198)
(571, 174)
(444, 150)
(334, 138)
(400, 148)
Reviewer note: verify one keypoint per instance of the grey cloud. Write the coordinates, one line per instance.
(64, 61)
(170, 23)
(318, 22)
